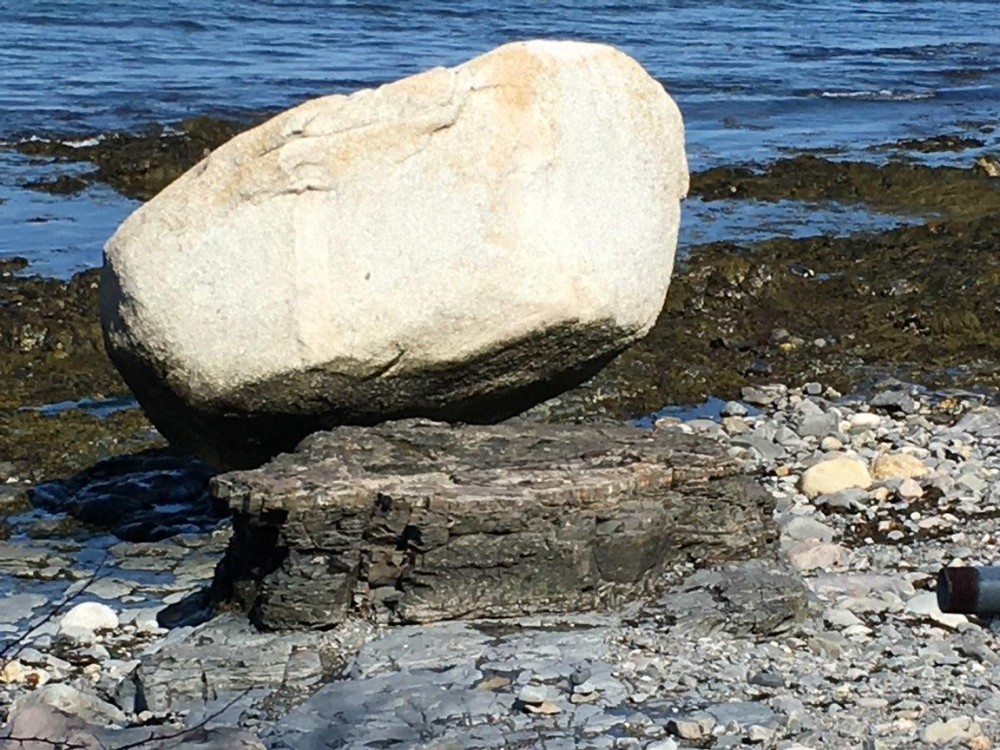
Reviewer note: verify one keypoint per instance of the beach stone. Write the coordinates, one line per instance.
(895, 401)
(927, 604)
(944, 732)
(834, 475)
(754, 597)
(92, 616)
(803, 527)
(221, 657)
(416, 521)
(72, 701)
(460, 244)
(808, 555)
(898, 466)
(864, 421)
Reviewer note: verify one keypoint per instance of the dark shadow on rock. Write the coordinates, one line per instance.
(141, 497)
(194, 609)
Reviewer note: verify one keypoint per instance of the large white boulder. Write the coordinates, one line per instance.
(459, 245)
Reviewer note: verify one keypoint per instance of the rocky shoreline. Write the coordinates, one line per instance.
(832, 641)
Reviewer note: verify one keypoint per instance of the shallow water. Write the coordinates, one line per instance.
(754, 78)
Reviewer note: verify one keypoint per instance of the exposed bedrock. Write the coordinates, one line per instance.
(457, 245)
(417, 521)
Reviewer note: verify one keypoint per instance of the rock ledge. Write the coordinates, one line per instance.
(415, 521)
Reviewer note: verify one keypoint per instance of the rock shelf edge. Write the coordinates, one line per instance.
(418, 521)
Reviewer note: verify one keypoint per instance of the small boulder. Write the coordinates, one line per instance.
(92, 616)
(74, 702)
(835, 475)
(459, 245)
(898, 466)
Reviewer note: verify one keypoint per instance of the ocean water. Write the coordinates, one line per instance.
(755, 79)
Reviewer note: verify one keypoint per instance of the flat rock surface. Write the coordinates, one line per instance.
(416, 521)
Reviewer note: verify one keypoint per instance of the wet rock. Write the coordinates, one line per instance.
(416, 521)
(225, 379)
(141, 497)
(138, 165)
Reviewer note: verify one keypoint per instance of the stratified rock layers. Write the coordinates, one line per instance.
(417, 521)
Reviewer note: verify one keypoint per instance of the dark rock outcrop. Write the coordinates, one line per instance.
(417, 521)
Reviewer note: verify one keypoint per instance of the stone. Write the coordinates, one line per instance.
(926, 604)
(819, 425)
(533, 694)
(895, 401)
(90, 615)
(72, 701)
(545, 708)
(944, 732)
(754, 597)
(803, 528)
(479, 521)
(222, 657)
(692, 728)
(734, 409)
(49, 727)
(864, 421)
(458, 245)
(834, 475)
(811, 555)
(138, 497)
(898, 466)
(910, 489)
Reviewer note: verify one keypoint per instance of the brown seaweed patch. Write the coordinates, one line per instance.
(935, 144)
(894, 188)
(919, 300)
(138, 165)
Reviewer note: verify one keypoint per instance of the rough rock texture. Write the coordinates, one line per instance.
(458, 245)
(219, 660)
(417, 521)
(43, 727)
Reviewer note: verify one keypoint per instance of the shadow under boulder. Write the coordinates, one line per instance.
(142, 497)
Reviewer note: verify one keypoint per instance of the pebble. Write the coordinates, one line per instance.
(898, 466)
(835, 474)
(90, 616)
(945, 732)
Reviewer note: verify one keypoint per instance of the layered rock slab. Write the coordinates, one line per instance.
(417, 521)
(457, 245)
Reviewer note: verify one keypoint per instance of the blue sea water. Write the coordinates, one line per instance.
(754, 78)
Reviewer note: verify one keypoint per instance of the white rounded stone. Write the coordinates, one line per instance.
(92, 616)
(833, 475)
